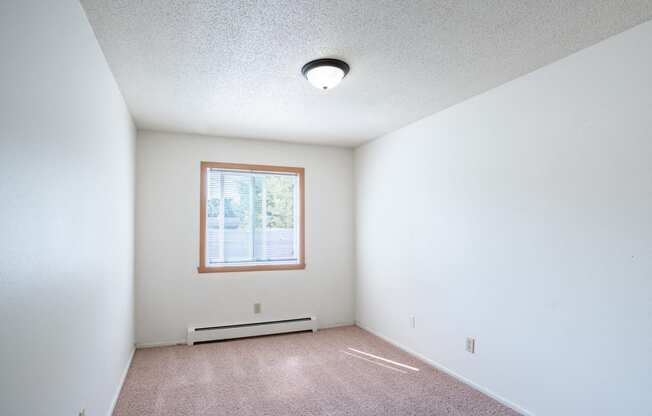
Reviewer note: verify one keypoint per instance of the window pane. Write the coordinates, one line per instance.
(251, 217)
(276, 231)
(238, 210)
(214, 227)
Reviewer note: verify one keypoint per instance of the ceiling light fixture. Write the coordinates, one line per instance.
(325, 73)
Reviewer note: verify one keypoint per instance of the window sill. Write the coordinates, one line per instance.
(259, 268)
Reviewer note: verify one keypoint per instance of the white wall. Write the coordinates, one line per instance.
(66, 215)
(523, 217)
(171, 294)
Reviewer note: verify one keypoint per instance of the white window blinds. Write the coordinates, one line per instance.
(251, 218)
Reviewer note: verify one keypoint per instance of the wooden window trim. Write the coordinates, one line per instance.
(202, 218)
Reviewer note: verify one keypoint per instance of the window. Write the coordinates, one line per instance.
(251, 218)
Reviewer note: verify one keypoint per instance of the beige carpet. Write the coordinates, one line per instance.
(327, 373)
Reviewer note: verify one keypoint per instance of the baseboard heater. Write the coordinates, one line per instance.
(251, 329)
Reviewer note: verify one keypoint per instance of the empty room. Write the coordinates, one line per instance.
(326, 208)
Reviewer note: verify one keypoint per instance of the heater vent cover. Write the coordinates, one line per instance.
(250, 329)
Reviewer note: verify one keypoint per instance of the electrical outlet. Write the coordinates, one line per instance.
(413, 321)
(470, 345)
(256, 307)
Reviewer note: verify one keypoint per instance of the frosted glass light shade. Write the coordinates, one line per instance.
(325, 77)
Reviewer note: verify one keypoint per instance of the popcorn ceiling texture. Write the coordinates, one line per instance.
(294, 374)
(232, 68)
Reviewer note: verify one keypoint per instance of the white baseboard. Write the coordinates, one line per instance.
(336, 325)
(160, 344)
(122, 381)
(450, 372)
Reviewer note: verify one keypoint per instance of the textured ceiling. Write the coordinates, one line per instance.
(232, 68)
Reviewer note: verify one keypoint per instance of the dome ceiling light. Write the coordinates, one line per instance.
(325, 73)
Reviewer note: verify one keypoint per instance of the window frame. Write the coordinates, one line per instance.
(300, 172)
